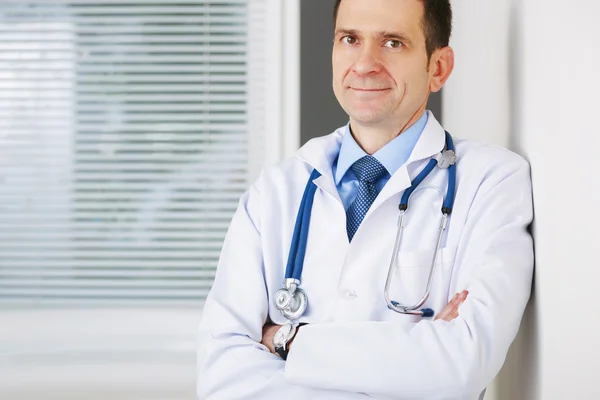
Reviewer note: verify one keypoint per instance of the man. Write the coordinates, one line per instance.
(388, 56)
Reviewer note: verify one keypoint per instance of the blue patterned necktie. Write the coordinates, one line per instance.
(368, 171)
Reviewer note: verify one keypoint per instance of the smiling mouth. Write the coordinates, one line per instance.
(368, 90)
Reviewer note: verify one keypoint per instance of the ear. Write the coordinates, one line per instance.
(440, 67)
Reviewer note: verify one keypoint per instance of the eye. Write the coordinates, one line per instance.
(349, 39)
(393, 44)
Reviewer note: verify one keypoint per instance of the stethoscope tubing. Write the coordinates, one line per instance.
(300, 236)
(301, 227)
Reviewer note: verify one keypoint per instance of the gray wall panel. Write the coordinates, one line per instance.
(320, 112)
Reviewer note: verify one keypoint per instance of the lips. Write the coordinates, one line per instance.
(369, 90)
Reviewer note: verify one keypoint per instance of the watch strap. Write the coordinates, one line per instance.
(282, 351)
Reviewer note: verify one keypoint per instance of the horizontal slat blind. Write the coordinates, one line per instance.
(125, 144)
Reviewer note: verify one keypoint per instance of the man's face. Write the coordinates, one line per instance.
(380, 66)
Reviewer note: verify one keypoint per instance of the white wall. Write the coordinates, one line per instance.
(476, 97)
(530, 70)
(560, 136)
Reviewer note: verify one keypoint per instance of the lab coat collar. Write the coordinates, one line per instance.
(321, 152)
(430, 143)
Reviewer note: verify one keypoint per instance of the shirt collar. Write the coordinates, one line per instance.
(392, 156)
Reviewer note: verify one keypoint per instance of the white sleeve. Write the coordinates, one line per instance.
(232, 364)
(429, 359)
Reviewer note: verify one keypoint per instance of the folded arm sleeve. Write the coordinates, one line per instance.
(430, 359)
(232, 364)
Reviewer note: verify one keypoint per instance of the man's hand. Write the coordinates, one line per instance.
(268, 332)
(451, 310)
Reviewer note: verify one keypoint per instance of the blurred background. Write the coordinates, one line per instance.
(129, 130)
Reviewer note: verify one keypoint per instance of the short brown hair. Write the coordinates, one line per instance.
(437, 23)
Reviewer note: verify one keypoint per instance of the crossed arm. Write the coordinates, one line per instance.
(378, 359)
(447, 314)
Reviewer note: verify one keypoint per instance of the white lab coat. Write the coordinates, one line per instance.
(354, 347)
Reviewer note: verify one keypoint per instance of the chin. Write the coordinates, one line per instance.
(366, 116)
(367, 111)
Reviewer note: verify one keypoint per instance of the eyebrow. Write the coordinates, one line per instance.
(382, 34)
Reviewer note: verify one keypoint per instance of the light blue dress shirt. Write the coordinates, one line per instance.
(392, 156)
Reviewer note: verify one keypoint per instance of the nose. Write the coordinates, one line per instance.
(367, 61)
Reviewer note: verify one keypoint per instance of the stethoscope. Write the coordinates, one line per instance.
(292, 301)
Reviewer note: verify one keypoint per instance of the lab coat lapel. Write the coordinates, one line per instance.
(320, 153)
(430, 143)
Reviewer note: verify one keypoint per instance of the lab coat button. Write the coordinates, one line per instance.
(349, 294)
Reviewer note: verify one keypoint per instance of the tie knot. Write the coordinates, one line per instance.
(368, 169)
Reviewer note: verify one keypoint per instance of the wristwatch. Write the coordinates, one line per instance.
(282, 337)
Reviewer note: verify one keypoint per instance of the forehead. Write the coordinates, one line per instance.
(372, 16)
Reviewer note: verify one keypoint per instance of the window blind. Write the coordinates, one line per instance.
(128, 131)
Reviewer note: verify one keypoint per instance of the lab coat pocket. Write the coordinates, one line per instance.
(412, 273)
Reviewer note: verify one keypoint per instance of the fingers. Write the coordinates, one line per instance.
(268, 332)
(445, 313)
(451, 310)
(462, 297)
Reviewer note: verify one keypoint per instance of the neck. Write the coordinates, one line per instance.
(371, 138)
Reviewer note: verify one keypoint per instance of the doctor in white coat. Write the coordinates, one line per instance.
(388, 56)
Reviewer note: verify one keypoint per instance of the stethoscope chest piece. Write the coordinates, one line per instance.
(291, 300)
